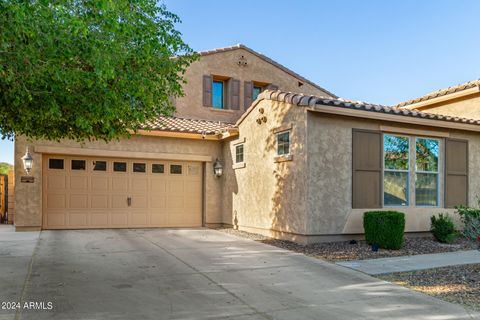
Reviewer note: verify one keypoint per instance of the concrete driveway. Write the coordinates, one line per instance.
(191, 274)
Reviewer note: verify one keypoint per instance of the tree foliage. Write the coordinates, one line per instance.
(5, 167)
(87, 69)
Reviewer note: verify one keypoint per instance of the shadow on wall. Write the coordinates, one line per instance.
(287, 200)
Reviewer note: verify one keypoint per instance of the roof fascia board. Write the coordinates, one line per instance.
(450, 96)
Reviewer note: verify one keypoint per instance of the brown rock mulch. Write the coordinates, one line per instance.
(457, 284)
(343, 250)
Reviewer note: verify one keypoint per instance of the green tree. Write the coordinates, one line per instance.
(5, 167)
(87, 69)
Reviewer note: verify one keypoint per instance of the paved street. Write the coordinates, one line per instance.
(191, 274)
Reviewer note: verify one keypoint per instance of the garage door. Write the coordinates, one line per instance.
(83, 193)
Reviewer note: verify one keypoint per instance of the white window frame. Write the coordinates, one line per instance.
(428, 172)
(395, 170)
(289, 142)
(243, 152)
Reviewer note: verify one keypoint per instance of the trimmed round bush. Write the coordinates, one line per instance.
(443, 228)
(384, 228)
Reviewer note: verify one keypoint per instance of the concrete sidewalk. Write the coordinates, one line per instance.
(412, 263)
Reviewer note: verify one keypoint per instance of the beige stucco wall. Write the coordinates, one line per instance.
(265, 195)
(465, 107)
(329, 205)
(226, 64)
(28, 196)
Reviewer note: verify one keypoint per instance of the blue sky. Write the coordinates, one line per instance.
(376, 51)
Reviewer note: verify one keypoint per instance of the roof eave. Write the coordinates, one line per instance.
(426, 103)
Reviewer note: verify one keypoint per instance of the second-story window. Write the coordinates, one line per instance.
(218, 99)
(256, 91)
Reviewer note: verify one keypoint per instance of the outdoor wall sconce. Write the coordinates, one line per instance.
(217, 168)
(27, 161)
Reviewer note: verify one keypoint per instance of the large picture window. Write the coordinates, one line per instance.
(396, 170)
(426, 172)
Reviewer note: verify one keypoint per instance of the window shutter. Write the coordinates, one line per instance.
(207, 91)
(367, 169)
(234, 94)
(248, 94)
(272, 87)
(456, 172)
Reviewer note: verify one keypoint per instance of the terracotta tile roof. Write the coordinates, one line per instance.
(175, 124)
(305, 100)
(261, 56)
(441, 92)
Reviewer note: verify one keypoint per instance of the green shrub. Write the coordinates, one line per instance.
(384, 228)
(471, 221)
(443, 228)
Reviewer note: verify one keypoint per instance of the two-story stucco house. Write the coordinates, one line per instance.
(302, 166)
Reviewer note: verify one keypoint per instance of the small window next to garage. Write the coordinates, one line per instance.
(56, 164)
(283, 143)
(175, 169)
(120, 166)
(158, 168)
(239, 153)
(100, 165)
(139, 167)
(78, 164)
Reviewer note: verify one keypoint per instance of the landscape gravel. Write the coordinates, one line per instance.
(360, 250)
(457, 284)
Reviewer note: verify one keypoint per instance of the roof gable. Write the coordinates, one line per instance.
(268, 60)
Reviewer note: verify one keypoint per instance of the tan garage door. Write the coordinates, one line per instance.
(82, 192)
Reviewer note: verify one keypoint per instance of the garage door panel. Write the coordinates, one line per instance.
(119, 201)
(99, 219)
(139, 201)
(56, 201)
(78, 182)
(157, 202)
(175, 186)
(119, 219)
(78, 201)
(99, 201)
(99, 183)
(120, 184)
(85, 195)
(78, 219)
(56, 182)
(158, 186)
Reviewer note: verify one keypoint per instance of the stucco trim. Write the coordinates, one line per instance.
(121, 154)
(426, 103)
(283, 158)
(239, 165)
(286, 127)
(239, 141)
(394, 118)
(415, 132)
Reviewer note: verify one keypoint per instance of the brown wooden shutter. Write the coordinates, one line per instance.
(456, 172)
(367, 169)
(248, 94)
(207, 91)
(234, 94)
(272, 87)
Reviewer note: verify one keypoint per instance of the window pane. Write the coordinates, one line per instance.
(139, 167)
(120, 166)
(426, 189)
(158, 168)
(427, 155)
(217, 95)
(256, 92)
(283, 143)
(239, 153)
(395, 188)
(55, 163)
(396, 152)
(176, 169)
(78, 164)
(100, 165)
